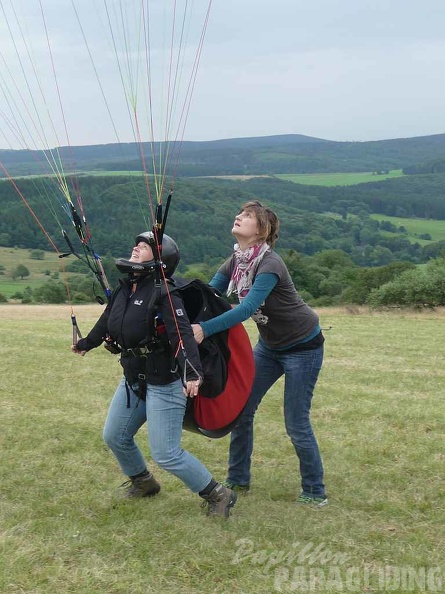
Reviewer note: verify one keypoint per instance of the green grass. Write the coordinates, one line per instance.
(105, 173)
(416, 227)
(10, 258)
(379, 417)
(92, 172)
(337, 179)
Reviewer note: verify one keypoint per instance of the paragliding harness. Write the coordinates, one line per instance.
(156, 344)
(201, 302)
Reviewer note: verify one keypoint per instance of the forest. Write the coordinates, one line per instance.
(315, 218)
(335, 251)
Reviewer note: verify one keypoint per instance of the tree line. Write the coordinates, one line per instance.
(314, 218)
(324, 279)
(327, 237)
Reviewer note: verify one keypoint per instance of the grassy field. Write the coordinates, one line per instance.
(313, 179)
(10, 258)
(379, 416)
(416, 227)
(338, 179)
(95, 172)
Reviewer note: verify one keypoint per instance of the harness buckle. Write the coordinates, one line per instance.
(136, 352)
(141, 376)
(113, 348)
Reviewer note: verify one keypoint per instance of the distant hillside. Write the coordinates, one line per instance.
(291, 153)
(314, 218)
(437, 166)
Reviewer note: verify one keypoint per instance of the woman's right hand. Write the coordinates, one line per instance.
(76, 350)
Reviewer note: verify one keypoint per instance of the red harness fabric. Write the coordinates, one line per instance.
(227, 363)
(220, 411)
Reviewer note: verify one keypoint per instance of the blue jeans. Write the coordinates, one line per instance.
(300, 369)
(164, 411)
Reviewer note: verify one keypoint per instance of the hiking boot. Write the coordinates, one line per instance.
(316, 501)
(142, 486)
(240, 489)
(219, 501)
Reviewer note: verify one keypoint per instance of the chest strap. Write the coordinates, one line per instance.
(137, 351)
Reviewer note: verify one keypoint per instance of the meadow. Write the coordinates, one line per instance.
(95, 172)
(379, 417)
(416, 227)
(40, 270)
(338, 179)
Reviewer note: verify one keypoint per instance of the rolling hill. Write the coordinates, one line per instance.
(289, 153)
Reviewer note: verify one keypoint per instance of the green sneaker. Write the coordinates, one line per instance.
(317, 501)
(241, 489)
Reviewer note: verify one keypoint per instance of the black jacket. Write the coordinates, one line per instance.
(128, 321)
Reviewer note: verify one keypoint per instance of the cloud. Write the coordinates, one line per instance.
(347, 70)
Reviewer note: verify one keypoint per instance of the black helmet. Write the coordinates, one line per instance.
(169, 257)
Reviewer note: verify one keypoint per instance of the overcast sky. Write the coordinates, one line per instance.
(345, 70)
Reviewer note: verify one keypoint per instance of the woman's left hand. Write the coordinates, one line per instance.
(191, 388)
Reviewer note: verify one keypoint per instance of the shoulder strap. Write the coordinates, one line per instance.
(201, 301)
(154, 303)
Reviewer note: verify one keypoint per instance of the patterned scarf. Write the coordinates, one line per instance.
(246, 264)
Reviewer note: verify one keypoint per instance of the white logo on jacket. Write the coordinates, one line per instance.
(138, 301)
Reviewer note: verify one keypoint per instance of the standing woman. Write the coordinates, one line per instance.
(147, 328)
(290, 344)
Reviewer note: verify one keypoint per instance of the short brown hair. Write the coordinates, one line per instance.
(268, 222)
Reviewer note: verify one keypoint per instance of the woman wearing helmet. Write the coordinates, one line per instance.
(161, 365)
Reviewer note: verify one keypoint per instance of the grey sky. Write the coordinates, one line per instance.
(344, 70)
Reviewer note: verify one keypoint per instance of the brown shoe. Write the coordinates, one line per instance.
(142, 486)
(219, 501)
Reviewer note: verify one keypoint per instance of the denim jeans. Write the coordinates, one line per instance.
(164, 411)
(300, 369)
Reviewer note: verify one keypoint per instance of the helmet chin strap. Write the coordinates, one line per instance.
(135, 268)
